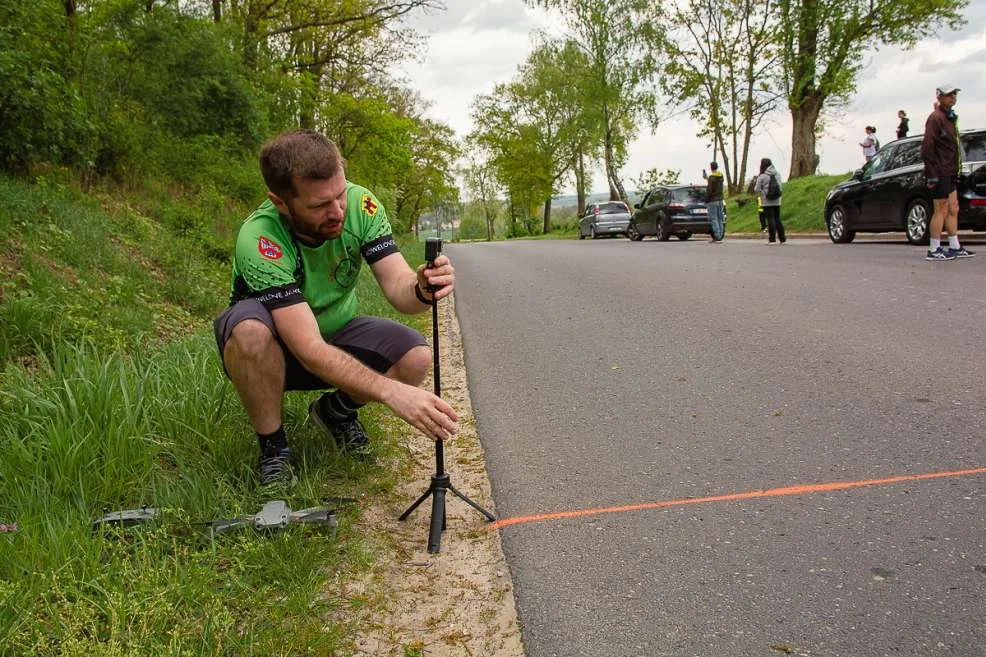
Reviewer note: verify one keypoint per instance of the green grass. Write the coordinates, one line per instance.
(112, 397)
(802, 206)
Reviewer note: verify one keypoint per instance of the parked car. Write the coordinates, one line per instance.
(609, 218)
(670, 210)
(890, 192)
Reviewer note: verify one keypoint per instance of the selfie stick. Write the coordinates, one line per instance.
(440, 481)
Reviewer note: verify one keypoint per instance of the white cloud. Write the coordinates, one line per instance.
(477, 44)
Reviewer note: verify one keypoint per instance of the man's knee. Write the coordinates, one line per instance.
(250, 341)
(413, 366)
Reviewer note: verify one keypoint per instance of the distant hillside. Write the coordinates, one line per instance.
(571, 200)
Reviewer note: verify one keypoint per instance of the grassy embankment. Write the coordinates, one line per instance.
(112, 397)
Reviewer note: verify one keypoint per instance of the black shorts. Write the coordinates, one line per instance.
(945, 186)
(376, 342)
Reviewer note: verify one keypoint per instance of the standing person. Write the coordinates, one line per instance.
(942, 164)
(904, 124)
(717, 216)
(768, 186)
(292, 323)
(869, 143)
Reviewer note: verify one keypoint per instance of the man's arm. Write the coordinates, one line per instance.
(297, 327)
(397, 281)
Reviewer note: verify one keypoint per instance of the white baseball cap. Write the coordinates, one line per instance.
(945, 89)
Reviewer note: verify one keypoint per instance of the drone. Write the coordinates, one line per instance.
(274, 515)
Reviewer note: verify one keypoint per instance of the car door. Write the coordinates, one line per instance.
(862, 197)
(644, 217)
(891, 184)
(586, 221)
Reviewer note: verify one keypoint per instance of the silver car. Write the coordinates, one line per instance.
(609, 218)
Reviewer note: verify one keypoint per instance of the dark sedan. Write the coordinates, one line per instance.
(678, 210)
(890, 193)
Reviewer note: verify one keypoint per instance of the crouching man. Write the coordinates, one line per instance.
(293, 322)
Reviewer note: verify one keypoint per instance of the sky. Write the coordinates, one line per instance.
(476, 44)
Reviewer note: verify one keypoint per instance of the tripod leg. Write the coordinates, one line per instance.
(437, 521)
(489, 516)
(416, 504)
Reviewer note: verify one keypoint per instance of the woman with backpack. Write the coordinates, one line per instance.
(768, 186)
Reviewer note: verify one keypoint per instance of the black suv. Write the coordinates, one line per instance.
(890, 193)
(670, 210)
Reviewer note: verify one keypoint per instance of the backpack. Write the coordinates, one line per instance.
(773, 189)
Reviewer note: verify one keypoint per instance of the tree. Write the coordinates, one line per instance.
(652, 178)
(528, 124)
(617, 37)
(823, 44)
(719, 60)
(480, 179)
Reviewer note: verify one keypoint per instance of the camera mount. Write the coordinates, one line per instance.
(440, 481)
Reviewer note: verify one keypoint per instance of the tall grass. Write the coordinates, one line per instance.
(96, 431)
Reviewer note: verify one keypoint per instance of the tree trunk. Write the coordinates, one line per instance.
(217, 11)
(547, 216)
(490, 218)
(580, 183)
(805, 119)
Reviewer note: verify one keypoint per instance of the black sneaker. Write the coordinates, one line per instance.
(275, 467)
(348, 434)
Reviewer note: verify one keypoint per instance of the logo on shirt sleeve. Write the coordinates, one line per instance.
(369, 205)
(269, 248)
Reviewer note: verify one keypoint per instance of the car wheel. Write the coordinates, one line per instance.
(661, 233)
(838, 231)
(592, 232)
(684, 235)
(633, 233)
(916, 221)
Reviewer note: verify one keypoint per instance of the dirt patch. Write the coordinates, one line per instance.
(459, 601)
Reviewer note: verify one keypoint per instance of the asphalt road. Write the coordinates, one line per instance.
(609, 373)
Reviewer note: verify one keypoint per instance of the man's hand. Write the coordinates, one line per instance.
(932, 183)
(424, 411)
(440, 277)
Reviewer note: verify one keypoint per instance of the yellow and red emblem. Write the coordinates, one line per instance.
(369, 205)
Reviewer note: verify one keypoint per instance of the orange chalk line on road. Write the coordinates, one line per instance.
(734, 497)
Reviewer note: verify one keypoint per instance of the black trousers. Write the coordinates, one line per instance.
(775, 229)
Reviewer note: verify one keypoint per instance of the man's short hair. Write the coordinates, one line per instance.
(714, 166)
(302, 153)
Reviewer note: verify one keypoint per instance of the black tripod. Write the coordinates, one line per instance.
(440, 481)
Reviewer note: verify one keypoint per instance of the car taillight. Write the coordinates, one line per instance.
(978, 202)
(675, 206)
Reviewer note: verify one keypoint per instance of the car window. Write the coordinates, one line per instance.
(690, 195)
(880, 162)
(906, 154)
(654, 196)
(612, 208)
(975, 147)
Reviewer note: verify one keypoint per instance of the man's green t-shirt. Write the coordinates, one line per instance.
(271, 265)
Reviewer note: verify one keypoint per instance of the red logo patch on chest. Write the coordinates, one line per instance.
(269, 248)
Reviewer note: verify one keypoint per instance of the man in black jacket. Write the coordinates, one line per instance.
(942, 163)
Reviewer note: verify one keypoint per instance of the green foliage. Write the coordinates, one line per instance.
(652, 178)
(42, 116)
